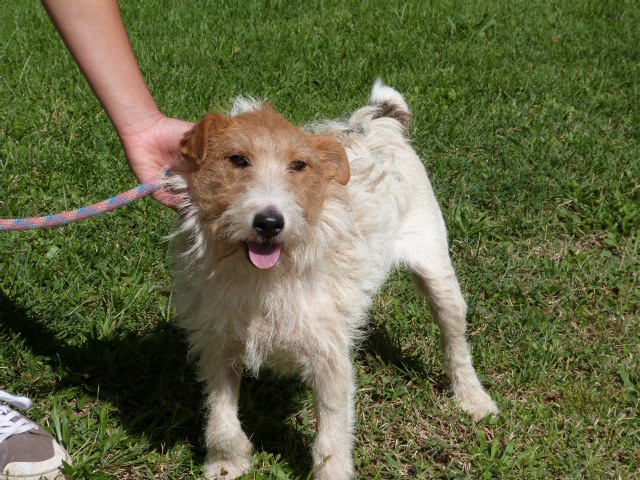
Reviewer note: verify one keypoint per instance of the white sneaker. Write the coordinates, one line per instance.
(27, 451)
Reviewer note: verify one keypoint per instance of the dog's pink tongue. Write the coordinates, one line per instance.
(264, 255)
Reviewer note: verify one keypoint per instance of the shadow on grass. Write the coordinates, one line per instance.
(408, 366)
(147, 377)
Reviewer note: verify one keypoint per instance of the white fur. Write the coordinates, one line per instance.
(382, 93)
(305, 318)
(243, 104)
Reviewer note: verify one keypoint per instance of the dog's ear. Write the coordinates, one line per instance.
(333, 159)
(195, 142)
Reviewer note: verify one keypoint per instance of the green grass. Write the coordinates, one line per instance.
(527, 117)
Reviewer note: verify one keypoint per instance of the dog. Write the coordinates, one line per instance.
(288, 233)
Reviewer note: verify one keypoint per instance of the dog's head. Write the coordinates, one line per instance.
(258, 182)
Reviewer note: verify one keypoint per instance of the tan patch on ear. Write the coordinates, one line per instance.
(333, 159)
(195, 142)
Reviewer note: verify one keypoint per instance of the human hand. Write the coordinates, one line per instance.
(95, 34)
(154, 149)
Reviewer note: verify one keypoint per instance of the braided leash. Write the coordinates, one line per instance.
(35, 223)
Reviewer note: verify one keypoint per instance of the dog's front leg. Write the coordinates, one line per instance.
(333, 388)
(228, 448)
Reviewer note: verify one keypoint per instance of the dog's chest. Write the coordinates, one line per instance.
(269, 341)
(272, 332)
(288, 324)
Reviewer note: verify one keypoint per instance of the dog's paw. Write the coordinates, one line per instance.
(227, 469)
(477, 404)
(228, 457)
(334, 467)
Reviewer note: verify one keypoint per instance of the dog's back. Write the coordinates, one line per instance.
(391, 196)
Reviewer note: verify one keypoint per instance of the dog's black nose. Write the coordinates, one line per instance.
(268, 223)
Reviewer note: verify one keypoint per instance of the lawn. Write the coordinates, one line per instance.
(526, 114)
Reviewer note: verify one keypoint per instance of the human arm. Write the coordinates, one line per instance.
(95, 34)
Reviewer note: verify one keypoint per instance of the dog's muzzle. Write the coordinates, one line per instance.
(265, 252)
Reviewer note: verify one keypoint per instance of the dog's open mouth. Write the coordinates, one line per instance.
(263, 255)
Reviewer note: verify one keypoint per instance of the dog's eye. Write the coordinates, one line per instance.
(297, 166)
(240, 161)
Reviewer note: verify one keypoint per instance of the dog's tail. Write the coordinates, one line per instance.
(390, 103)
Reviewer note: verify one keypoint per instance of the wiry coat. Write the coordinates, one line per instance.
(344, 202)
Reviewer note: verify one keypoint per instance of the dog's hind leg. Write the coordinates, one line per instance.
(429, 260)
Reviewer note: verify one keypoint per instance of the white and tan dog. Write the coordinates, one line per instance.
(289, 234)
